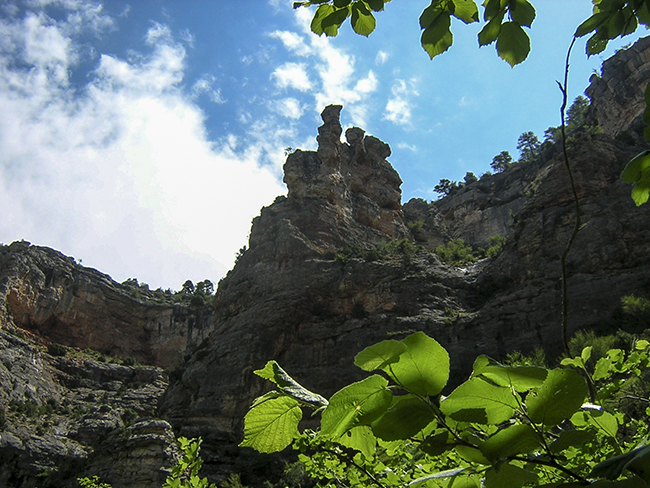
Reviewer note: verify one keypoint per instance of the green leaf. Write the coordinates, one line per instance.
(491, 30)
(333, 21)
(437, 38)
(360, 439)
(572, 438)
(637, 172)
(494, 8)
(357, 404)
(613, 467)
(559, 397)
(480, 402)
(423, 368)
(472, 455)
(465, 10)
(521, 378)
(342, 3)
(513, 44)
(508, 476)
(516, 439)
(378, 356)
(363, 22)
(449, 473)
(434, 445)
(272, 425)
(376, 5)
(605, 422)
(274, 373)
(431, 13)
(591, 24)
(596, 45)
(408, 416)
(322, 12)
(522, 12)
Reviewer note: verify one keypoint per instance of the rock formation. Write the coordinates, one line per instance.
(330, 269)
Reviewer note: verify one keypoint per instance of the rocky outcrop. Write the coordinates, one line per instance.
(290, 299)
(69, 416)
(48, 294)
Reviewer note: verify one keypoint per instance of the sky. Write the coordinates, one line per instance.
(143, 137)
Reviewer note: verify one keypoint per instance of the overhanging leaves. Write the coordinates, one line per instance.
(516, 439)
(357, 404)
(480, 402)
(637, 172)
(521, 378)
(363, 22)
(560, 396)
(513, 44)
(378, 356)
(437, 37)
(271, 425)
(423, 368)
(274, 373)
(408, 416)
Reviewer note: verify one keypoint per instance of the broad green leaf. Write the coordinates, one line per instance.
(596, 44)
(272, 425)
(363, 22)
(480, 402)
(586, 354)
(611, 469)
(516, 439)
(522, 12)
(521, 378)
(465, 10)
(591, 24)
(437, 38)
(333, 21)
(376, 5)
(559, 397)
(274, 373)
(342, 3)
(508, 476)
(378, 356)
(357, 404)
(408, 416)
(605, 422)
(434, 445)
(491, 30)
(637, 172)
(640, 464)
(513, 44)
(641, 345)
(449, 473)
(465, 481)
(423, 368)
(429, 14)
(322, 12)
(572, 438)
(360, 439)
(494, 8)
(472, 455)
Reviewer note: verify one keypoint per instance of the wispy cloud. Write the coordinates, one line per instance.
(382, 57)
(399, 107)
(120, 172)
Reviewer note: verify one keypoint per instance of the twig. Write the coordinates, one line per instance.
(565, 288)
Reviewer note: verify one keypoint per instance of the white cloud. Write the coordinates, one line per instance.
(293, 42)
(408, 147)
(120, 172)
(382, 57)
(399, 106)
(204, 85)
(292, 75)
(289, 107)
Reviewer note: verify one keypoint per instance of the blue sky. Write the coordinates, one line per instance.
(142, 137)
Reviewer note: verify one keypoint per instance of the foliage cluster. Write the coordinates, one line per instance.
(505, 427)
(402, 249)
(55, 349)
(457, 253)
(199, 295)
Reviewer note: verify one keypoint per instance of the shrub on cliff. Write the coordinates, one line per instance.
(456, 253)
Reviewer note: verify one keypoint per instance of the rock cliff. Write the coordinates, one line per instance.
(331, 268)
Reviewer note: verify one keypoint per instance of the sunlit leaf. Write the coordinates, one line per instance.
(591, 24)
(363, 22)
(515, 439)
(408, 416)
(379, 355)
(465, 10)
(560, 396)
(357, 404)
(437, 38)
(272, 425)
(491, 30)
(521, 378)
(322, 12)
(605, 422)
(522, 12)
(508, 476)
(423, 368)
(449, 473)
(513, 44)
(333, 21)
(274, 373)
(360, 439)
(637, 172)
(480, 402)
(375, 5)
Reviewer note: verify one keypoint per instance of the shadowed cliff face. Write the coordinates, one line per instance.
(288, 299)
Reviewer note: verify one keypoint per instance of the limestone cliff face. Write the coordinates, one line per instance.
(48, 294)
(290, 300)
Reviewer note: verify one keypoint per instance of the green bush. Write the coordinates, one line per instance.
(495, 244)
(456, 253)
(54, 349)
